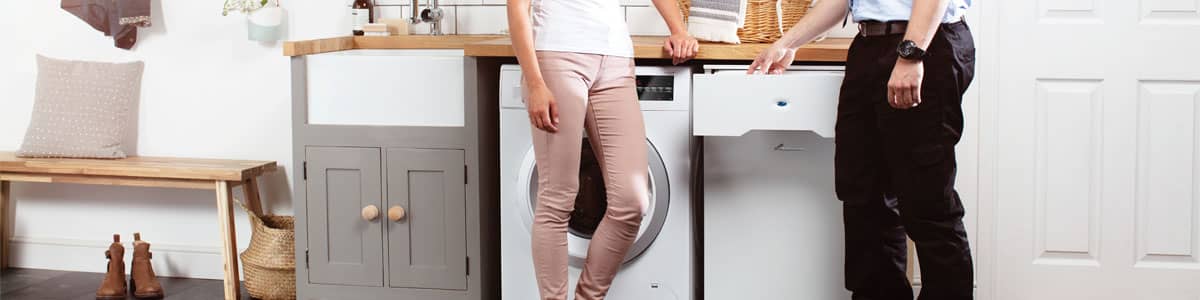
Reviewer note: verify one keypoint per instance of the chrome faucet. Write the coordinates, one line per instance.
(431, 14)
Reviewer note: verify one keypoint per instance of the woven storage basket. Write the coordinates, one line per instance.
(763, 18)
(686, 8)
(762, 22)
(270, 261)
(792, 11)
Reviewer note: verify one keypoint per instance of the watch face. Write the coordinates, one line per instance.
(907, 49)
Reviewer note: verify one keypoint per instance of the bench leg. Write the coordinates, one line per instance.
(5, 228)
(252, 196)
(229, 237)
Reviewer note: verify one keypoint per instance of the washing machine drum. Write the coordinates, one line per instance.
(591, 202)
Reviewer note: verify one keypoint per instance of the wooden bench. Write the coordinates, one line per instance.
(220, 176)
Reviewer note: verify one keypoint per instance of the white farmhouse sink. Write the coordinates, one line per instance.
(386, 88)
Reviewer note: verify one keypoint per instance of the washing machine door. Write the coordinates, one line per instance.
(591, 202)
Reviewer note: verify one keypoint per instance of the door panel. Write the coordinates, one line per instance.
(1097, 158)
(427, 248)
(344, 248)
(772, 224)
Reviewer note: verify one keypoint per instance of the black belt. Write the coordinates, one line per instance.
(877, 28)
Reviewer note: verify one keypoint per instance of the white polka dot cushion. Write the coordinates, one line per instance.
(82, 109)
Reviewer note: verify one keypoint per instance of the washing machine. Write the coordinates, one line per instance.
(659, 265)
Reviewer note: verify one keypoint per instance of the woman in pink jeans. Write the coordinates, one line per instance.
(577, 61)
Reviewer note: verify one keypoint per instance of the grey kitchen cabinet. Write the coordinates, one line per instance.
(422, 142)
(427, 247)
(344, 248)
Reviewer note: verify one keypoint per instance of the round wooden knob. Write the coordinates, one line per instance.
(370, 213)
(396, 213)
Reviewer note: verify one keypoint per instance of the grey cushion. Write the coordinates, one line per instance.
(81, 109)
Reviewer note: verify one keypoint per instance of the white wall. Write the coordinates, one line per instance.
(207, 92)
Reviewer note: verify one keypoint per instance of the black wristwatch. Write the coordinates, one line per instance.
(909, 50)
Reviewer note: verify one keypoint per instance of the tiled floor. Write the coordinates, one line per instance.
(20, 284)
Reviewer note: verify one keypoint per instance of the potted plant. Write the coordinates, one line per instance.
(264, 18)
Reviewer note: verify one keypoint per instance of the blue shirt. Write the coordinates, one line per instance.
(900, 10)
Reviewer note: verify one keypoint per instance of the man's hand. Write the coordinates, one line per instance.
(543, 109)
(904, 89)
(682, 47)
(773, 60)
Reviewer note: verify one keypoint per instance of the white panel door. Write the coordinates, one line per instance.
(1097, 153)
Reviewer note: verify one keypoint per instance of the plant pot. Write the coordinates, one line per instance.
(265, 24)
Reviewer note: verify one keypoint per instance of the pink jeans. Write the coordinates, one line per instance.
(596, 93)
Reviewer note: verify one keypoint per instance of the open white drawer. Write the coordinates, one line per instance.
(728, 102)
(386, 88)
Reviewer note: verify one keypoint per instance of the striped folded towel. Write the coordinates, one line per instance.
(717, 20)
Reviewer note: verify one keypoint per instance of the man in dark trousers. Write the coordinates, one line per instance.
(899, 117)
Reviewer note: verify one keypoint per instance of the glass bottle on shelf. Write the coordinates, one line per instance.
(362, 12)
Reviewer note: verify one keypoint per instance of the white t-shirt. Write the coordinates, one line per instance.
(581, 26)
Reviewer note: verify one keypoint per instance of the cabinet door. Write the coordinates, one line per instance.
(428, 247)
(769, 202)
(344, 248)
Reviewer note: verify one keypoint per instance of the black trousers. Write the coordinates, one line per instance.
(895, 170)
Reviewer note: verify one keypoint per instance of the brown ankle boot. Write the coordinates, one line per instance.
(113, 286)
(143, 282)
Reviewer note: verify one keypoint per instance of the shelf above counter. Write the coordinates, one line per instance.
(645, 47)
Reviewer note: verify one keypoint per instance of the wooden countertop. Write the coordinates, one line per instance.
(297, 48)
(645, 47)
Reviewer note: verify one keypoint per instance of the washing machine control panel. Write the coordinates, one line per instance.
(662, 88)
(656, 87)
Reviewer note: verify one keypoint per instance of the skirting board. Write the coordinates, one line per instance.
(190, 261)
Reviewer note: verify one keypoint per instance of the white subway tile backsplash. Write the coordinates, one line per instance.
(636, 3)
(460, 2)
(426, 2)
(392, 2)
(645, 21)
(491, 17)
(482, 20)
(391, 12)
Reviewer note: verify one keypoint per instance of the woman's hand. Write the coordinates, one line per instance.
(682, 47)
(543, 109)
(773, 60)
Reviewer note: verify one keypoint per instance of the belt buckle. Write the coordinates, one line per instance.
(862, 29)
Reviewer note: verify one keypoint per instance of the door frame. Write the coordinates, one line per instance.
(986, 95)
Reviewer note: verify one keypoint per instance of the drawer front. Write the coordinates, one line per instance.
(733, 103)
(769, 202)
(386, 88)
(344, 248)
(427, 247)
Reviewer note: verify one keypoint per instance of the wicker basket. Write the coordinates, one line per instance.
(793, 10)
(270, 261)
(686, 8)
(763, 18)
(762, 22)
